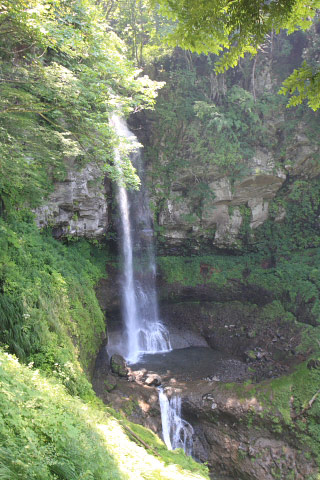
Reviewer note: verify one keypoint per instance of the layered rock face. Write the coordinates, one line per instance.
(221, 217)
(223, 214)
(79, 204)
(221, 149)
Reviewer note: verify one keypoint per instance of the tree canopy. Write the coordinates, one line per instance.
(63, 71)
(231, 29)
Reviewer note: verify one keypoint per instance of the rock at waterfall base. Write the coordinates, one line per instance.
(118, 365)
(153, 379)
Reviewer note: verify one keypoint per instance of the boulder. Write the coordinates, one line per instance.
(153, 379)
(118, 365)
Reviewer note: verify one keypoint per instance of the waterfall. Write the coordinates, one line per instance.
(144, 332)
(176, 432)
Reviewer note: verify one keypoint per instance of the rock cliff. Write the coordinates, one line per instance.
(221, 149)
(79, 205)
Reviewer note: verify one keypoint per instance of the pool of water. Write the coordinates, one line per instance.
(194, 363)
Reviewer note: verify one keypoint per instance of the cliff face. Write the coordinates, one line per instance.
(78, 205)
(222, 215)
(223, 155)
(221, 149)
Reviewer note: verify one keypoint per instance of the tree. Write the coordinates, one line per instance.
(232, 28)
(63, 72)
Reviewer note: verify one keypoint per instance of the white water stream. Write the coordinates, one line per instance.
(177, 432)
(144, 332)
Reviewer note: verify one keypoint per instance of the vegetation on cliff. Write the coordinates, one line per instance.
(236, 128)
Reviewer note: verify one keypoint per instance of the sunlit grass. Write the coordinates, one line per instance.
(47, 434)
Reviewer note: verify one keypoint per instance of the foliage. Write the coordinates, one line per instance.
(234, 125)
(49, 311)
(142, 28)
(232, 29)
(303, 84)
(63, 72)
(300, 228)
(47, 434)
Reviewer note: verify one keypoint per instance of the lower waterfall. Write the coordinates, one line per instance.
(176, 432)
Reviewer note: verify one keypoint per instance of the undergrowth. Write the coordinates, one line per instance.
(48, 308)
(46, 434)
(254, 269)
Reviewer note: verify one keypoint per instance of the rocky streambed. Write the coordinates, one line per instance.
(242, 371)
(236, 430)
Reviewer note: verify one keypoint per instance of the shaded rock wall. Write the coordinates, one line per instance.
(79, 205)
(212, 184)
(235, 446)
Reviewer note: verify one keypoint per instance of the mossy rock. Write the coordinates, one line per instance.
(110, 383)
(118, 365)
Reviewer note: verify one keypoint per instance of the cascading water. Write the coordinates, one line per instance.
(176, 432)
(144, 332)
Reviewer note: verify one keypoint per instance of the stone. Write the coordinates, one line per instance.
(118, 365)
(302, 153)
(251, 334)
(153, 379)
(78, 205)
(110, 383)
(314, 363)
(259, 211)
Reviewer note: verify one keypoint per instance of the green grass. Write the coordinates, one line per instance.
(46, 434)
(50, 314)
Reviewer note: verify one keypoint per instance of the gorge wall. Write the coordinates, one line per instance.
(223, 154)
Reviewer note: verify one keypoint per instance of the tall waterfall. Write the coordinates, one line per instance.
(144, 332)
(177, 433)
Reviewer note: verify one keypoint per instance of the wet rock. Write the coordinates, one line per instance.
(139, 375)
(256, 354)
(250, 355)
(153, 379)
(118, 365)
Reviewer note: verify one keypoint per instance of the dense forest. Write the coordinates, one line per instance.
(223, 97)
